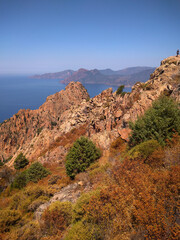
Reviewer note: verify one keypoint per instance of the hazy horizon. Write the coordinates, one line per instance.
(42, 36)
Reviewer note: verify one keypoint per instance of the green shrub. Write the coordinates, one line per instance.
(35, 191)
(33, 174)
(83, 231)
(120, 90)
(8, 218)
(1, 163)
(29, 199)
(36, 172)
(144, 150)
(80, 206)
(80, 156)
(159, 122)
(31, 231)
(20, 162)
(20, 180)
(16, 201)
(123, 94)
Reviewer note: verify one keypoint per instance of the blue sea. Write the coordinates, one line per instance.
(22, 92)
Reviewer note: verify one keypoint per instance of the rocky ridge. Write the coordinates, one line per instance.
(127, 76)
(45, 134)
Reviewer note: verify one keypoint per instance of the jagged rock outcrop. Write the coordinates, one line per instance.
(26, 126)
(46, 133)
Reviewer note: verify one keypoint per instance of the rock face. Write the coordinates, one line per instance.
(46, 133)
(70, 193)
(35, 127)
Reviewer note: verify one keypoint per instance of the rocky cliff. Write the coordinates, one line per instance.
(45, 134)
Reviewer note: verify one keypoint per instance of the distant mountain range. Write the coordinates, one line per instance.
(128, 76)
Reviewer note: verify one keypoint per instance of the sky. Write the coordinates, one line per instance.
(40, 36)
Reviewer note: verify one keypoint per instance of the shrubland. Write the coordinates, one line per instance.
(134, 187)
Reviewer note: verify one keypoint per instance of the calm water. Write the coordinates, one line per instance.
(21, 92)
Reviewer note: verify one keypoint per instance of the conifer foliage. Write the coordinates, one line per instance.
(160, 122)
(20, 162)
(80, 156)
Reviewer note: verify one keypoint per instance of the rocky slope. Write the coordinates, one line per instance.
(45, 134)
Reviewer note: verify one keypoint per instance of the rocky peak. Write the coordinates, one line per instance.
(171, 60)
(82, 70)
(27, 124)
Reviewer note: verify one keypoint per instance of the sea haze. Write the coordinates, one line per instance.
(22, 92)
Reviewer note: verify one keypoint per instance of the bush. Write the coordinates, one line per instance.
(33, 174)
(8, 218)
(81, 204)
(159, 122)
(120, 90)
(20, 162)
(82, 231)
(144, 150)
(57, 218)
(80, 156)
(29, 199)
(30, 231)
(20, 180)
(36, 172)
(16, 201)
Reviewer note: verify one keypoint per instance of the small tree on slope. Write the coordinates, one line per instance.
(20, 162)
(80, 156)
(159, 122)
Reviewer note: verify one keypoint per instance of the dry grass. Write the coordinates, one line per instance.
(67, 139)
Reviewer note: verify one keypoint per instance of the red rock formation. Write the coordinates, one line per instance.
(105, 116)
(27, 124)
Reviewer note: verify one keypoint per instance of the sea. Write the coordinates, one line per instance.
(23, 92)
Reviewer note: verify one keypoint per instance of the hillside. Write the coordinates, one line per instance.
(130, 192)
(58, 75)
(127, 77)
(125, 71)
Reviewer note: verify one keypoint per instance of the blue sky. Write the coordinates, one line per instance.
(38, 36)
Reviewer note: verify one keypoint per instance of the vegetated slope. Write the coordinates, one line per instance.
(58, 75)
(131, 79)
(90, 76)
(125, 71)
(127, 194)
